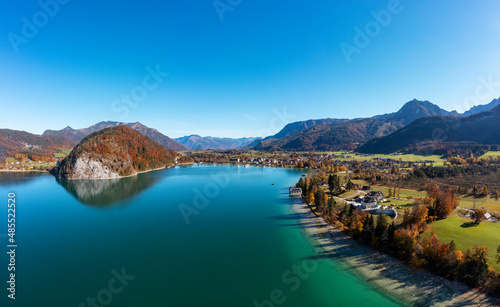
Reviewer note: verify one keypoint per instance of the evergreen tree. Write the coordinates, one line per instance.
(300, 184)
(367, 231)
(319, 199)
(452, 246)
(330, 183)
(390, 233)
(382, 224)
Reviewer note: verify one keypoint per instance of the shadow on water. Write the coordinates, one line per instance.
(106, 193)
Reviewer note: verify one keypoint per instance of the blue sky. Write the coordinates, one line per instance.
(245, 68)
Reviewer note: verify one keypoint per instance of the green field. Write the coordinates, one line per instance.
(399, 202)
(486, 233)
(62, 152)
(348, 194)
(406, 157)
(491, 154)
(404, 193)
(488, 202)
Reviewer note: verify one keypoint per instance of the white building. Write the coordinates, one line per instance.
(295, 191)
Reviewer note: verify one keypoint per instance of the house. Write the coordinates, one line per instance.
(295, 191)
(371, 200)
(234, 160)
(375, 195)
(369, 204)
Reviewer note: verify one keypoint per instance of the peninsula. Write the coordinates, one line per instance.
(113, 153)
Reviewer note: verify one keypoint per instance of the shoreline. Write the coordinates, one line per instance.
(119, 177)
(22, 171)
(387, 275)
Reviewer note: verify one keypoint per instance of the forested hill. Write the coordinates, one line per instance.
(114, 152)
(482, 128)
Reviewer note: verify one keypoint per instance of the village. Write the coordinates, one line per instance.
(24, 162)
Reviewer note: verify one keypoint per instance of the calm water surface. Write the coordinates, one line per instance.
(192, 236)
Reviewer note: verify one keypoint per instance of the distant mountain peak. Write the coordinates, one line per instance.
(416, 102)
(78, 134)
(482, 107)
(195, 141)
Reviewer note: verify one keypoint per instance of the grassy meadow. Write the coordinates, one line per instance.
(454, 228)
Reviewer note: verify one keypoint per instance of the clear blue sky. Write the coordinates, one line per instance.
(230, 77)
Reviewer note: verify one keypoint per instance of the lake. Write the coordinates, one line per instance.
(187, 236)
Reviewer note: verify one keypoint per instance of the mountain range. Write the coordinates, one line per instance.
(14, 141)
(198, 142)
(319, 134)
(77, 135)
(340, 134)
(481, 128)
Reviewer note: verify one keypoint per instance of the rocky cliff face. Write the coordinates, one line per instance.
(88, 168)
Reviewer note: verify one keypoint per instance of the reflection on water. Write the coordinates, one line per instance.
(105, 193)
(17, 178)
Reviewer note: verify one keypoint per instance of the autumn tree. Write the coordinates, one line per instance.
(418, 217)
(496, 194)
(404, 242)
(433, 250)
(478, 215)
(319, 199)
(349, 186)
(443, 203)
(484, 191)
(310, 198)
(475, 266)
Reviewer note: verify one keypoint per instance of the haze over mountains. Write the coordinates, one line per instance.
(198, 142)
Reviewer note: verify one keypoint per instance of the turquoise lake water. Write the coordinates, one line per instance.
(188, 236)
